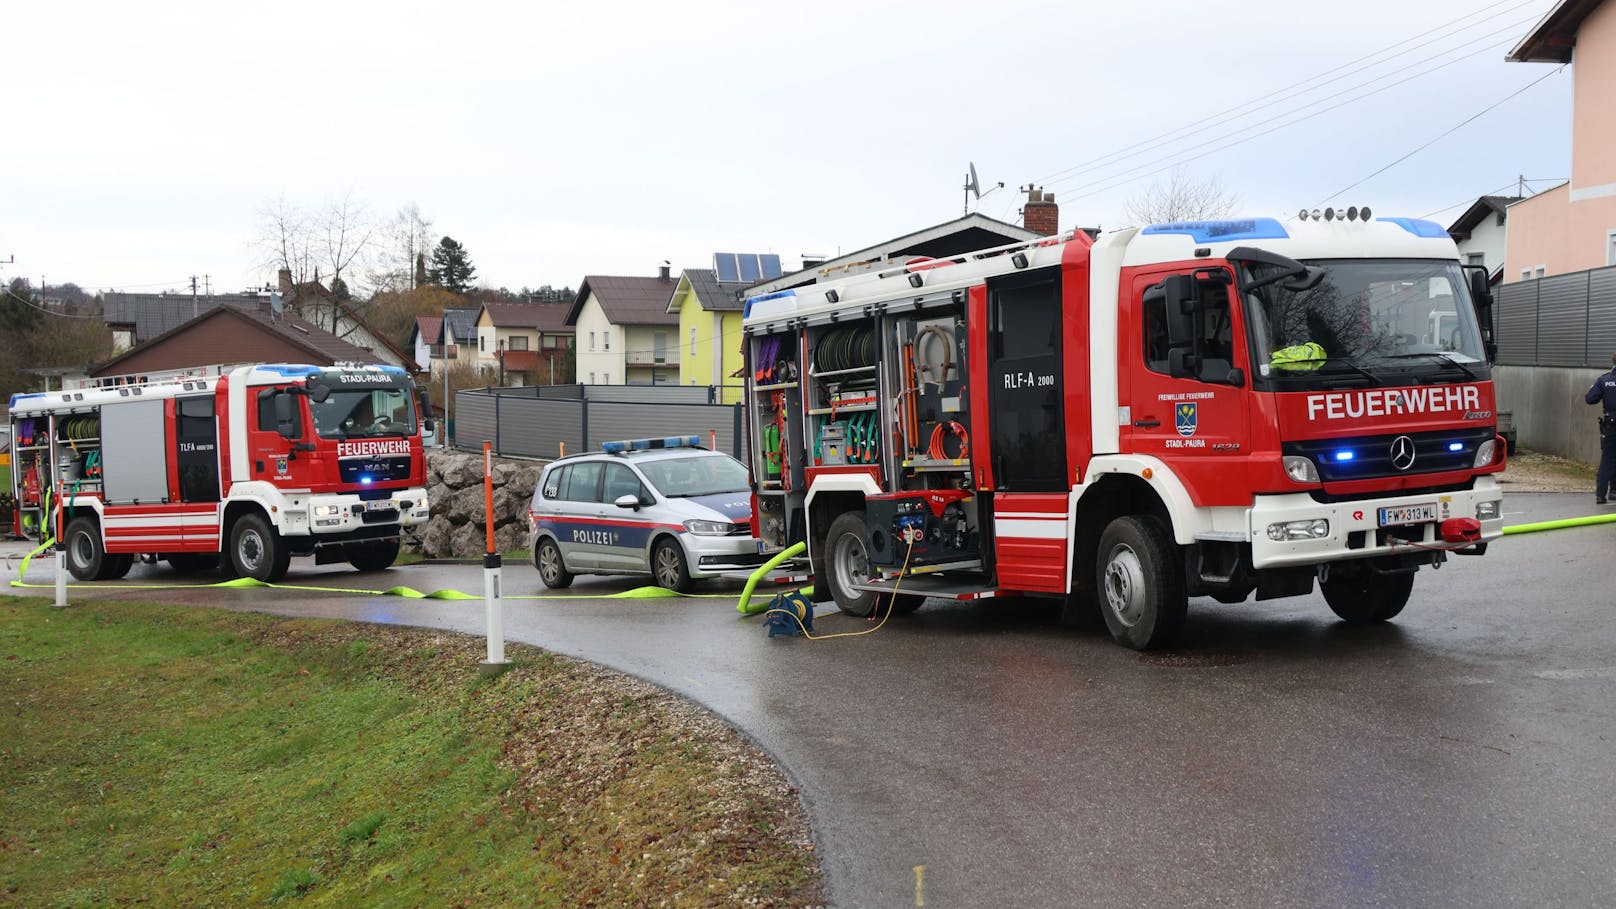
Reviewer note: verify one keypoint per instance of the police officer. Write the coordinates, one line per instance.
(1604, 392)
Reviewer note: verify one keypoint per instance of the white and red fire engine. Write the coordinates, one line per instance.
(1215, 408)
(241, 470)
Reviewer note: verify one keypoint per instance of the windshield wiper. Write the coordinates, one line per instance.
(1426, 353)
(1333, 365)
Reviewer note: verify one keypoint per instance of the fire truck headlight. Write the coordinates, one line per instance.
(1301, 469)
(1316, 529)
(1487, 511)
(1484, 453)
(322, 511)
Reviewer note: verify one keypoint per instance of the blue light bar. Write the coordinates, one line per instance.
(1344, 455)
(1419, 227)
(650, 444)
(1456, 446)
(779, 294)
(1223, 231)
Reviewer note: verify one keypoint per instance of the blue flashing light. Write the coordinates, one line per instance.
(613, 447)
(290, 370)
(1224, 231)
(365, 481)
(1429, 230)
(777, 295)
(650, 444)
(1456, 446)
(1344, 455)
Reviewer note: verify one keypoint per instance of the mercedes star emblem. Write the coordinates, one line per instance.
(1402, 452)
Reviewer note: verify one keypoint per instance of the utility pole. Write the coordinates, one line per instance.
(194, 311)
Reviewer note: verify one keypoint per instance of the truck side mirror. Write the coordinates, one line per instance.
(1183, 303)
(286, 422)
(423, 403)
(1481, 295)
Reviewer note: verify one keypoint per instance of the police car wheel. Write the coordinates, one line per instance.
(1140, 577)
(547, 559)
(669, 567)
(84, 553)
(1361, 596)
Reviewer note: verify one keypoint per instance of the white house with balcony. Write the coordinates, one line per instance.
(623, 332)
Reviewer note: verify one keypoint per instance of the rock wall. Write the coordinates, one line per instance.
(455, 489)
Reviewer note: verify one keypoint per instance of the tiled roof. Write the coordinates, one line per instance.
(151, 315)
(627, 300)
(1478, 211)
(715, 295)
(462, 323)
(322, 347)
(429, 329)
(546, 317)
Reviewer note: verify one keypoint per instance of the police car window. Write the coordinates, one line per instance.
(620, 481)
(698, 476)
(583, 482)
(553, 482)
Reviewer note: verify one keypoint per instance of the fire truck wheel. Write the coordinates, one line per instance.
(669, 567)
(552, 570)
(85, 556)
(1141, 582)
(114, 567)
(847, 562)
(192, 561)
(373, 555)
(256, 552)
(1362, 596)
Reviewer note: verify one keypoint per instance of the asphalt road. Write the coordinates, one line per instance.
(984, 755)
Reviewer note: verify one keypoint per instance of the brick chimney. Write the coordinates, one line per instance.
(1041, 215)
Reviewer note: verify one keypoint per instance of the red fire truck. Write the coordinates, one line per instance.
(1214, 408)
(240, 470)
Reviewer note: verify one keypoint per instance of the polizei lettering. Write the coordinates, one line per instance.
(1382, 402)
(598, 537)
(373, 447)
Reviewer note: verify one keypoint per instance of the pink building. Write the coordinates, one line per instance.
(1573, 226)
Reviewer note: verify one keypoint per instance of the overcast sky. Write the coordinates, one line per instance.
(144, 141)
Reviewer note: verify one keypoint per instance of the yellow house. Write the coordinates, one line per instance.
(709, 313)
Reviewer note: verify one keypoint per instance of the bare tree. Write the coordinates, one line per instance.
(407, 237)
(346, 230)
(1182, 198)
(285, 238)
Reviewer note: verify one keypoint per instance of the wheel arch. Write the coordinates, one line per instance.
(1109, 496)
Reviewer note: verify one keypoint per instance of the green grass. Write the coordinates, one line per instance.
(191, 757)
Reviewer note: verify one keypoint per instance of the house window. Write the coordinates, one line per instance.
(1475, 258)
(482, 342)
(591, 378)
(692, 340)
(608, 379)
(1610, 248)
(607, 335)
(1540, 271)
(591, 343)
(659, 346)
(548, 341)
(517, 342)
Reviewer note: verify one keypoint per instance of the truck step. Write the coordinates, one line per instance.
(943, 588)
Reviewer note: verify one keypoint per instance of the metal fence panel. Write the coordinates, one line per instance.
(536, 429)
(1515, 323)
(639, 421)
(474, 419)
(645, 394)
(1601, 317)
(1562, 320)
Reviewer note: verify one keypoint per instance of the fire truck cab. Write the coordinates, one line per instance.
(240, 470)
(1213, 408)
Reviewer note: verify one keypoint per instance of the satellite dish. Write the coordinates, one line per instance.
(972, 184)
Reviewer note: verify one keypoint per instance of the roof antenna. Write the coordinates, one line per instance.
(973, 187)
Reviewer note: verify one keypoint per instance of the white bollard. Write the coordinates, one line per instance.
(494, 609)
(61, 575)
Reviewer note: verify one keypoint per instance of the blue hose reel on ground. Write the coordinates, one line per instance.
(789, 614)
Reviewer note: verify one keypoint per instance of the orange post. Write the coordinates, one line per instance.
(488, 491)
(712, 435)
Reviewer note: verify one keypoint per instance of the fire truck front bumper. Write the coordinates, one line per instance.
(341, 514)
(1293, 530)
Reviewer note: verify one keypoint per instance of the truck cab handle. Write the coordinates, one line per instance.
(1147, 424)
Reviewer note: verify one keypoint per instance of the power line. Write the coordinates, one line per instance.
(1223, 115)
(1444, 135)
(49, 312)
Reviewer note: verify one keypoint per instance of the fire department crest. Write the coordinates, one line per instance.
(1185, 417)
(280, 462)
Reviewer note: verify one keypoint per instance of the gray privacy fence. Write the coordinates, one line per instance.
(1564, 320)
(535, 422)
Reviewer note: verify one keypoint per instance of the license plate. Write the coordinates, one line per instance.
(1408, 514)
(380, 505)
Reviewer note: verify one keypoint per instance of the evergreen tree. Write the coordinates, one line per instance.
(451, 267)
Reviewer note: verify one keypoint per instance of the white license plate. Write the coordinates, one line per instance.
(380, 505)
(1408, 514)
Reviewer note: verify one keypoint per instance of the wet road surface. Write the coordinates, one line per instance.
(1460, 756)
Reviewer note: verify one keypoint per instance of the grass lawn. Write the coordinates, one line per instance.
(187, 757)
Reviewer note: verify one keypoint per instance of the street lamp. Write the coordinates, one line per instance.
(501, 356)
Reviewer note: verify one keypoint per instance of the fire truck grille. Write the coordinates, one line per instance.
(352, 470)
(1368, 457)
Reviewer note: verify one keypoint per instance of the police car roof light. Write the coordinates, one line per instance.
(650, 444)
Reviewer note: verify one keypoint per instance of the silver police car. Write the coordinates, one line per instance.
(666, 507)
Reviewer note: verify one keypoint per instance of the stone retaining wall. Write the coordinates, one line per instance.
(455, 489)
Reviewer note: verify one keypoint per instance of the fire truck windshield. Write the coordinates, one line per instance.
(350, 413)
(1369, 321)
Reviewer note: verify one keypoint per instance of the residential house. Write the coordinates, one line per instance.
(1573, 227)
(624, 331)
(459, 337)
(522, 338)
(425, 344)
(314, 302)
(708, 302)
(1480, 233)
(249, 335)
(134, 318)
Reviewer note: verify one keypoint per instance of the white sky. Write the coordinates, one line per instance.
(556, 141)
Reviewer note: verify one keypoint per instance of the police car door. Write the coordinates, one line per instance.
(629, 530)
(579, 531)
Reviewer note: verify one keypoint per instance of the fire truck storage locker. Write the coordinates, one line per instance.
(134, 462)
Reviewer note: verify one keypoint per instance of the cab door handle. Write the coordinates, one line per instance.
(1147, 424)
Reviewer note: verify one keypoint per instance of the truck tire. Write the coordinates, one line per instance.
(552, 569)
(256, 551)
(1360, 595)
(1140, 577)
(669, 567)
(86, 557)
(114, 567)
(188, 562)
(373, 555)
(847, 561)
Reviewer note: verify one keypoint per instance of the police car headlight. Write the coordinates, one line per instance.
(323, 511)
(709, 528)
(1484, 453)
(1301, 469)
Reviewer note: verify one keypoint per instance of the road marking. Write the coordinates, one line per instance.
(1567, 675)
(920, 885)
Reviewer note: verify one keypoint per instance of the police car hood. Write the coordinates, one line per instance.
(729, 506)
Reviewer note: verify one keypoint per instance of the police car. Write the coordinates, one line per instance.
(664, 506)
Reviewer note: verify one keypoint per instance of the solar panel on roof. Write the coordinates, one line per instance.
(771, 265)
(725, 265)
(749, 266)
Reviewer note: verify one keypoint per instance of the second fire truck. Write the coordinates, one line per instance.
(1212, 408)
(241, 470)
